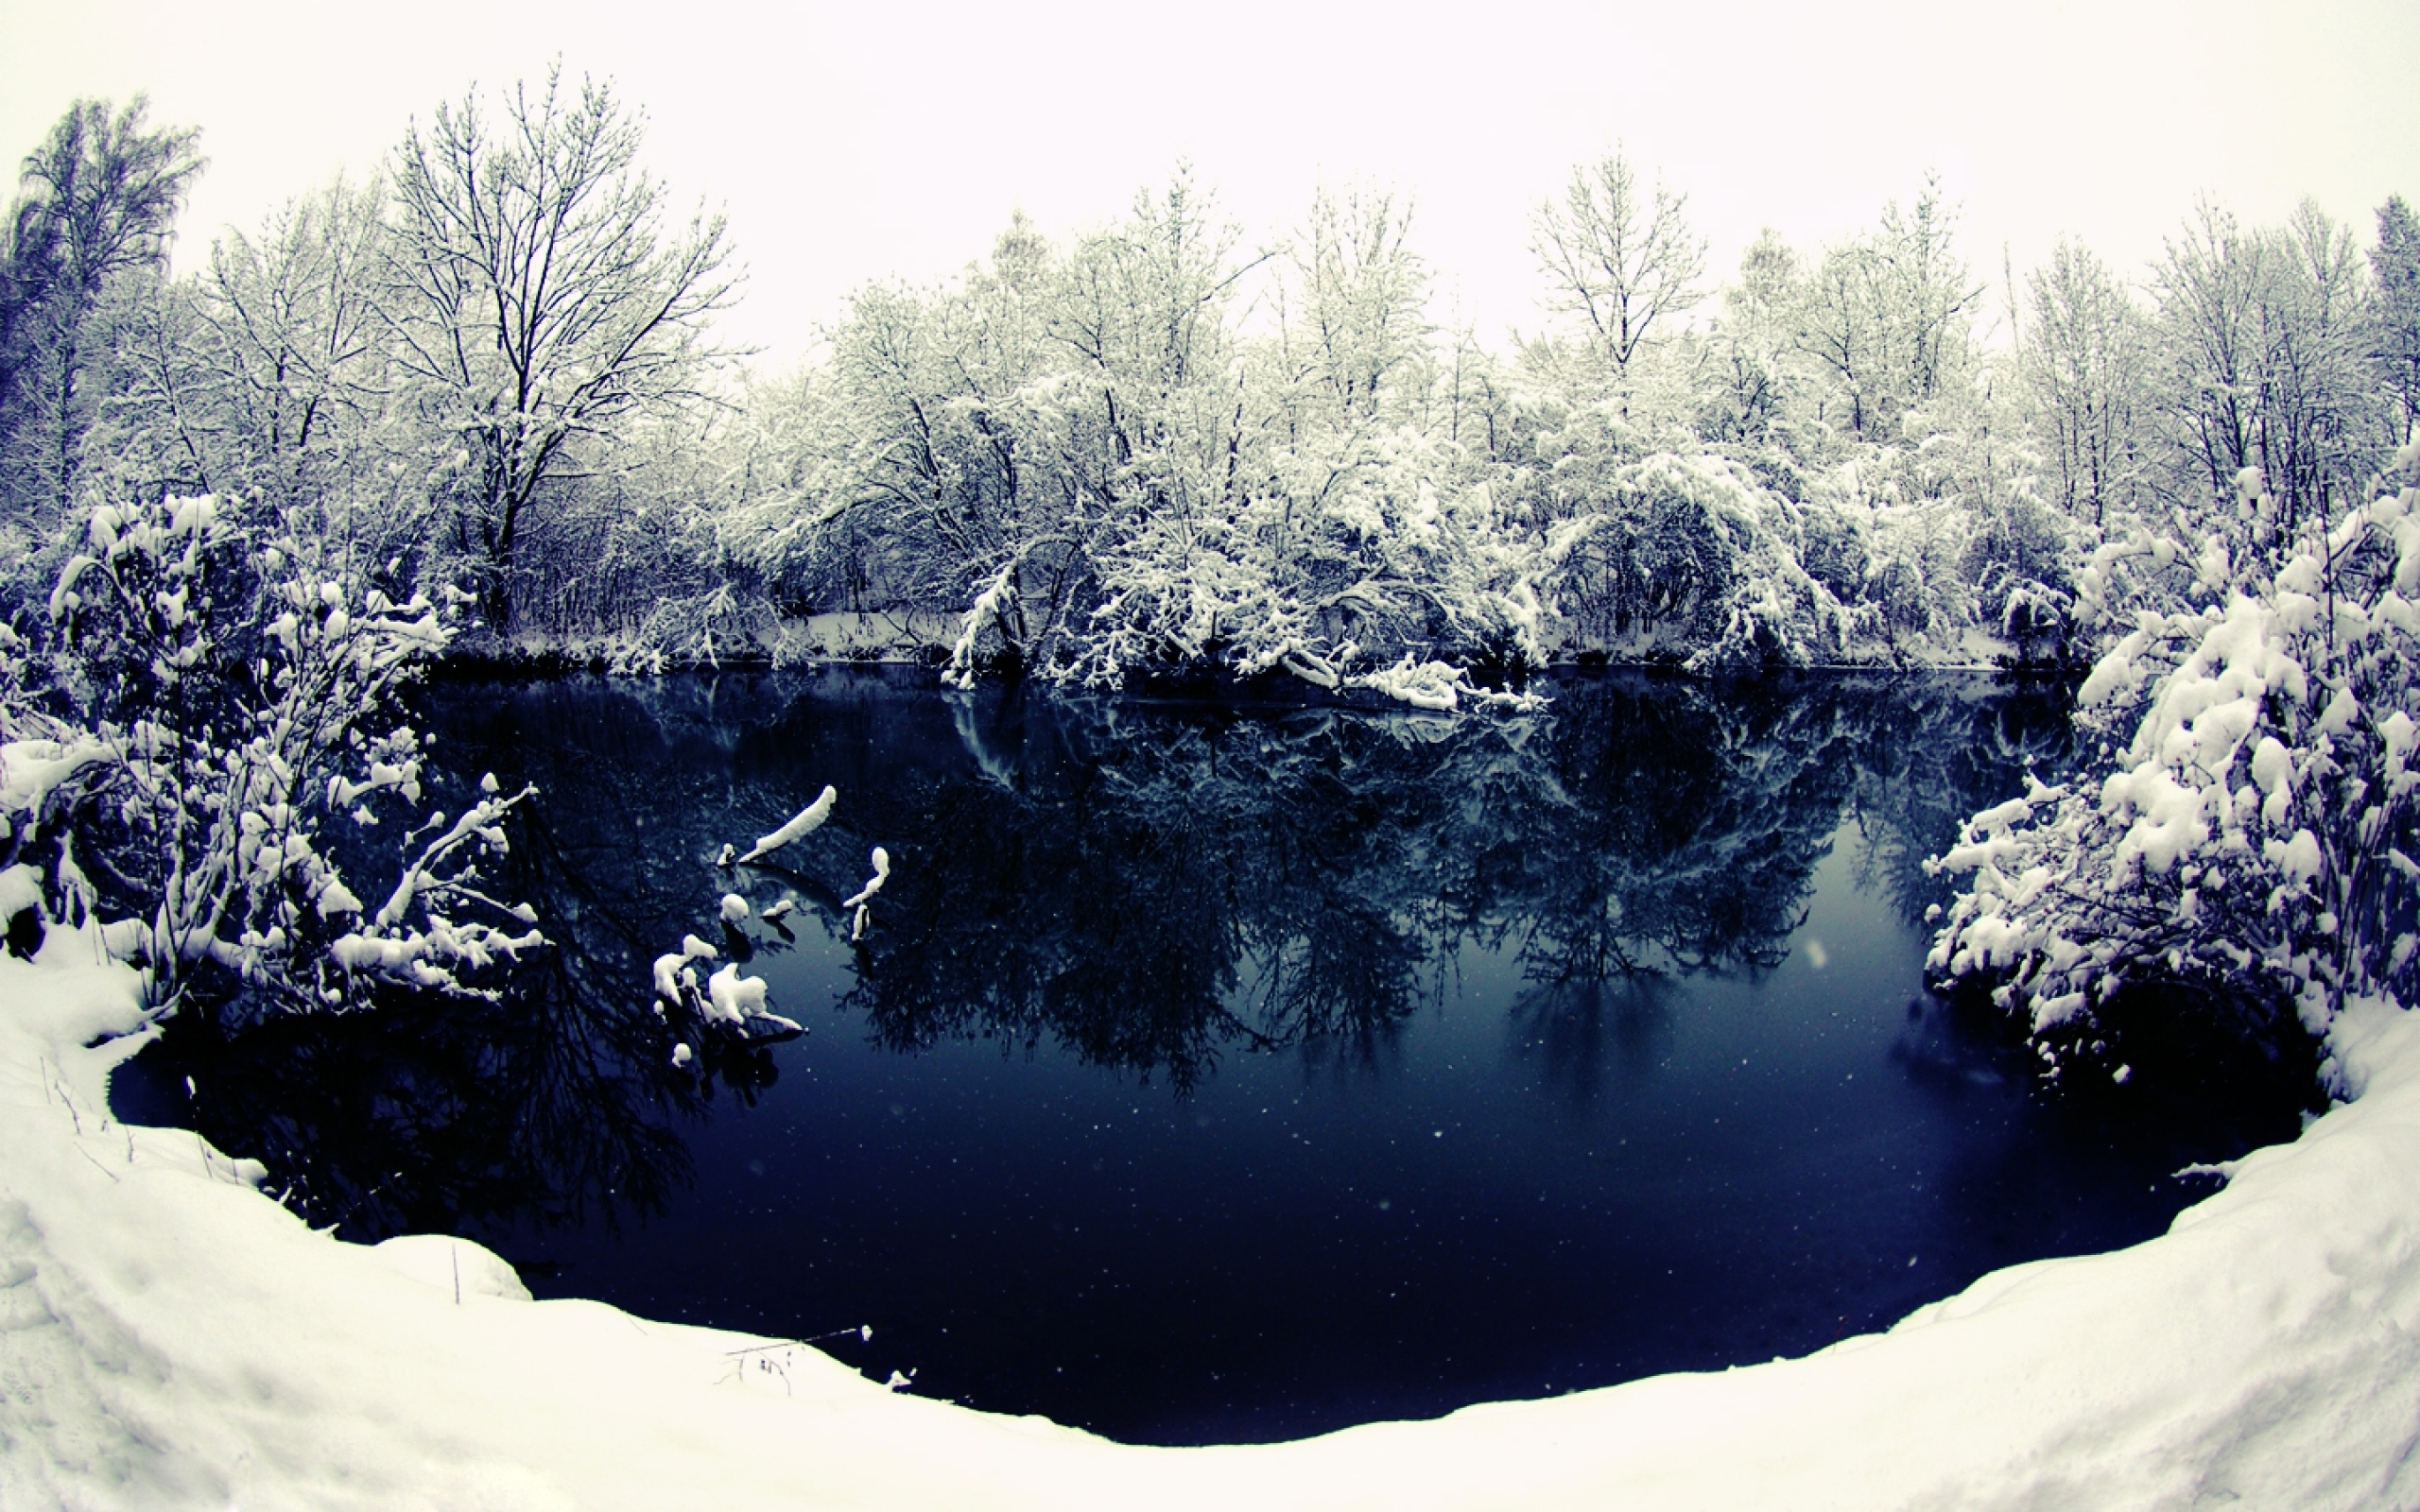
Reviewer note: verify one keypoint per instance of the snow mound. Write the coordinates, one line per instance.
(455, 1266)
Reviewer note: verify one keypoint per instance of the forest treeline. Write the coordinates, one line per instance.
(490, 374)
(477, 404)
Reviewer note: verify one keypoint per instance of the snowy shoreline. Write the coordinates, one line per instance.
(170, 1338)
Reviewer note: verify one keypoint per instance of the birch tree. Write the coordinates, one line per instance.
(98, 201)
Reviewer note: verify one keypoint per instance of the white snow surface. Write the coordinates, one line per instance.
(454, 1266)
(172, 1338)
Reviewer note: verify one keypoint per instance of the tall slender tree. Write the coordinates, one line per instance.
(1363, 293)
(2394, 267)
(2083, 364)
(1887, 314)
(96, 202)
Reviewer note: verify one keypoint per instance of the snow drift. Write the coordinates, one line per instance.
(170, 1338)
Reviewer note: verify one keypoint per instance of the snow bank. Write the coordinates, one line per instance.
(170, 1338)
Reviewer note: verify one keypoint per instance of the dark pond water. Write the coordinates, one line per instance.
(1218, 1072)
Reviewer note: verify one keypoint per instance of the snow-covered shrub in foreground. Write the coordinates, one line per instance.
(2255, 830)
(228, 701)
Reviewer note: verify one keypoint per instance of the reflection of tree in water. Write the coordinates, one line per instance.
(1568, 1025)
(1691, 825)
(1146, 890)
(1149, 885)
(452, 1114)
(426, 1115)
(1935, 751)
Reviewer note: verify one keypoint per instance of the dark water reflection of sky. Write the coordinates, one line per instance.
(1218, 1072)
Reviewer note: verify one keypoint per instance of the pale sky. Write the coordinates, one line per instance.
(853, 141)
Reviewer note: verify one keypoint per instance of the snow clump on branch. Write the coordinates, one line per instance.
(2254, 831)
(232, 696)
(804, 823)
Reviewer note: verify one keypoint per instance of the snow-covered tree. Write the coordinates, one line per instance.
(2265, 337)
(1360, 329)
(2085, 356)
(931, 447)
(540, 304)
(2250, 832)
(2395, 268)
(1693, 557)
(264, 379)
(1886, 316)
(1752, 385)
(95, 203)
(1623, 262)
(298, 355)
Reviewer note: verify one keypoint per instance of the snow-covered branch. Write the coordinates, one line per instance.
(238, 712)
(2255, 828)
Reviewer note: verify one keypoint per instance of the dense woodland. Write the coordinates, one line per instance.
(491, 370)
(475, 405)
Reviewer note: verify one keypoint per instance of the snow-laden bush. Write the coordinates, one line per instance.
(1359, 547)
(1693, 554)
(2253, 830)
(2018, 562)
(221, 704)
(1890, 537)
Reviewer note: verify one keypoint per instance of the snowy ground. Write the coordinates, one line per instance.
(170, 1338)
